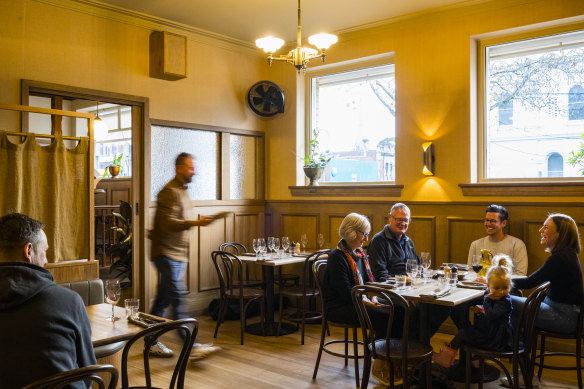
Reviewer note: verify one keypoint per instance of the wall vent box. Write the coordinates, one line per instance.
(168, 55)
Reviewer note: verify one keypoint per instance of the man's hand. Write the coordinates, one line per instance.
(203, 221)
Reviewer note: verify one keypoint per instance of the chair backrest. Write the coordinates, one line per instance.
(307, 279)
(318, 272)
(525, 327)
(188, 327)
(229, 270)
(87, 373)
(233, 247)
(388, 301)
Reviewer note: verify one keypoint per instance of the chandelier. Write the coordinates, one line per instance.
(299, 56)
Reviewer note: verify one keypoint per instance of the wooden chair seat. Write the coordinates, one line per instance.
(248, 293)
(416, 350)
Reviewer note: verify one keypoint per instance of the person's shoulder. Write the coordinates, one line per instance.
(514, 240)
(379, 235)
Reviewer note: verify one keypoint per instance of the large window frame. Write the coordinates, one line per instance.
(480, 185)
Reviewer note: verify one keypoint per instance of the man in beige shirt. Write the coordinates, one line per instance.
(170, 248)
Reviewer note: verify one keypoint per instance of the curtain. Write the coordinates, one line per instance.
(49, 183)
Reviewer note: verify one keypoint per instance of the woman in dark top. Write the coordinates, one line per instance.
(559, 310)
(348, 266)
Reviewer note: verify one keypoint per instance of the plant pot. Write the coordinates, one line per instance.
(313, 174)
(114, 171)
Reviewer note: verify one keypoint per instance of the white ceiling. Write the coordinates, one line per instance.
(247, 20)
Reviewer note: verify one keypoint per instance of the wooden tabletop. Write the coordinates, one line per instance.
(105, 332)
(457, 295)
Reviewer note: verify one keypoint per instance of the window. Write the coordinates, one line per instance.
(118, 141)
(533, 95)
(354, 113)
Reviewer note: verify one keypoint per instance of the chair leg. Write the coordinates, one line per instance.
(481, 371)
(263, 316)
(242, 321)
(346, 347)
(541, 357)
(579, 361)
(366, 370)
(222, 308)
(356, 355)
(322, 333)
(468, 363)
(280, 313)
(303, 313)
(429, 374)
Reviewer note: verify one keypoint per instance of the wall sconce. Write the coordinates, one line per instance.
(428, 159)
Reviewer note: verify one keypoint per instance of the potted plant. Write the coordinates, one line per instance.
(114, 167)
(315, 162)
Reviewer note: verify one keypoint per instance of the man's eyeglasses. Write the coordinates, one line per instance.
(400, 219)
(491, 220)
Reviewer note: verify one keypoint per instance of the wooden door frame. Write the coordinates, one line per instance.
(140, 198)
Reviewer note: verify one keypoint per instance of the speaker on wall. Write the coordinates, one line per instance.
(168, 55)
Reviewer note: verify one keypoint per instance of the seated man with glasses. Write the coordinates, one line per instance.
(391, 248)
(497, 242)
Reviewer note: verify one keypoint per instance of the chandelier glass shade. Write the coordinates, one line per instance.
(299, 56)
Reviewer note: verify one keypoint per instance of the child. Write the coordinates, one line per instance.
(492, 325)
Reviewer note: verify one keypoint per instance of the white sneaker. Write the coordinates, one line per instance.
(505, 382)
(161, 351)
(201, 351)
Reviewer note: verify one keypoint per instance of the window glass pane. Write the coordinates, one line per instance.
(168, 142)
(242, 165)
(354, 113)
(534, 106)
(117, 145)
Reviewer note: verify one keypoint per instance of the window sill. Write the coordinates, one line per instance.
(347, 190)
(560, 188)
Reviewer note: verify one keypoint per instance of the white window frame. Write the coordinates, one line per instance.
(478, 133)
(330, 69)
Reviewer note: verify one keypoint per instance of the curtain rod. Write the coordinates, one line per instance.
(44, 135)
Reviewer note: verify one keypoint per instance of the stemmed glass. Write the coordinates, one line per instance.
(262, 246)
(285, 244)
(412, 270)
(477, 266)
(276, 247)
(112, 296)
(320, 241)
(271, 244)
(303, 241)
(426, 263)
(256, 246)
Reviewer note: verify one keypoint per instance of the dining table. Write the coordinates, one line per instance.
(268, 264)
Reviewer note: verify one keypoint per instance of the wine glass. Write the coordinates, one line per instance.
(320, 241)
(303, 241)
(285, 244)
(256, 246)
(426, 263)
(112, 296)
(276, 246)
(263, 247)
(477, 265)
(412, 270)
(271, 244)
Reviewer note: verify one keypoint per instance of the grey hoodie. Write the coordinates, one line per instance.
(44, 328)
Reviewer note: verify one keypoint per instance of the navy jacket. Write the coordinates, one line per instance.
(386, 256)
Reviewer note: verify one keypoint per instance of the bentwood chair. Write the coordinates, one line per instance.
(239, 248)
(229, 267)
(524, 344)
(87, 373)
(186, 328)
(318, 271)
(409, 354)
(578, 336)
(302, 294)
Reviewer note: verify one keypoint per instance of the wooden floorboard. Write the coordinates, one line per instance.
(270, 362)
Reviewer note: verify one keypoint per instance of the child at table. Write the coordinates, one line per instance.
(492, 321)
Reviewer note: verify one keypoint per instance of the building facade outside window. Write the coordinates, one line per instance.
(533, 107)
(354, 112)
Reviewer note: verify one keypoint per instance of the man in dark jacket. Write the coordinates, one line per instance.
(44, 328)
(391, 248)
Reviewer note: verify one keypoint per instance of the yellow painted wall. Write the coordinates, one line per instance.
(44, 42)
(433, 88)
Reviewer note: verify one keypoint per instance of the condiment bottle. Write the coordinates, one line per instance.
(447, 273)
(297, 248)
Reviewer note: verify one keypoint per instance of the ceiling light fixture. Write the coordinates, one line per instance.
(100, 128)
(300, 56)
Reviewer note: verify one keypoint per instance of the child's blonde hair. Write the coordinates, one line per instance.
(502, 266)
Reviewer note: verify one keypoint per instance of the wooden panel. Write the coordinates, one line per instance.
(247, 227)
(461, 233)
(120, 194)
(116, 189)
(70, 271)
(294, 225)
(422, 230)
(210, 237)
(334, 222)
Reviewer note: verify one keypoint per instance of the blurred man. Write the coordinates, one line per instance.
(170, 248)
(44, 328)
(498, 242)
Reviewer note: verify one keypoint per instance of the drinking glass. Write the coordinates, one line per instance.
(400, 280)
(271, 244)
(256, 246)
(477, 266)
(412, 270)
(112, 296)
(276, 247)
(303, 241)
(263, 247)
(132, 306)
(285, 244)
(320, 241)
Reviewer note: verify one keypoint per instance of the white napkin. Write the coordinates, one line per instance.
(436, 294)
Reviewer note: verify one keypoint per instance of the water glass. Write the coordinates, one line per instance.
(276, 247)
(285, 244)
(320, 241)
(256, 246)
(428, 274)
(132, 308)
(303, 241)
(270, 244)
(400, 281)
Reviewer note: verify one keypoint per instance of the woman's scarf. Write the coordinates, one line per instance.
(352, 264)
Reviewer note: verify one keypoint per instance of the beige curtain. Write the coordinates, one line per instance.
(49, 183)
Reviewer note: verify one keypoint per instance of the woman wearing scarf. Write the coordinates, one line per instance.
(348, 266)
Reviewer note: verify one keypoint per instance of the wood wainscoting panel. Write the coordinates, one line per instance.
(294, 225)
(247, 227)
(120, 195)
(461, 233)
(334, 222)
(422, 230)
(210, 237)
